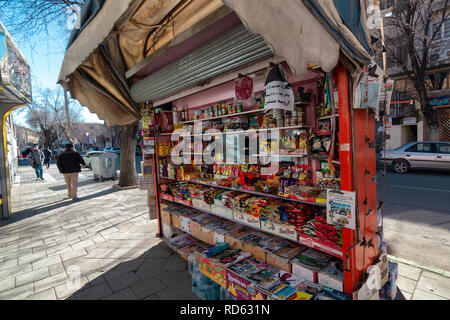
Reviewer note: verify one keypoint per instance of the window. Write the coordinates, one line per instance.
(444, 148)
(421, 147)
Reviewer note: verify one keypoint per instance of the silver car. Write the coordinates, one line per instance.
(427, 154)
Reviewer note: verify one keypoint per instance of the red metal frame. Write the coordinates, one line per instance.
(348, 148)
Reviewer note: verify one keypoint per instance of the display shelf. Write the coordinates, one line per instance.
(239, 132)
(250, 192)
(226, 116)
(328, 117)
(303, 239)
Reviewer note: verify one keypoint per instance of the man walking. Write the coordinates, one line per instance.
(48, 157)
(68, 164)
(36, 157)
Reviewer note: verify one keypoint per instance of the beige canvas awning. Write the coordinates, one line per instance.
(126, 32)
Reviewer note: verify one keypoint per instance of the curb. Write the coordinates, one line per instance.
(420, 266)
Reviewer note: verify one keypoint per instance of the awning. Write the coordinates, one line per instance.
(129, 31)
(308, 31)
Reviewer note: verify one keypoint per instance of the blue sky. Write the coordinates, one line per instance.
(44, 55)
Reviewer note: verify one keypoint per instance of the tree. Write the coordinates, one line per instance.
(47, 114)
(27, 18)
(412, 32)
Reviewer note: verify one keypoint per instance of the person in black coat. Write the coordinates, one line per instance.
(47, 157)
(69, 163)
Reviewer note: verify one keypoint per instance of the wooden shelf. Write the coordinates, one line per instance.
(328, 117)
(303, 239)
(226, 116)
(250, 192)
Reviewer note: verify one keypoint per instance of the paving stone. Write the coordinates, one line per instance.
(50, 282)
(179, 291)
(123, 281)
(31, 276)
(433, 275)
(95, 278)
(82, 244)
(440, 287)
(7, 264)
(56, 268)
(45, 262)
(175, 263)
(152, 297)
(408, 271)
(12, 272)
(18, 293)
(48, 294)
(67, 289)
(73, 254)
(94, 293)
(125, 294)
(7, 284)
(148, 287)
(406, 285)
(30, 258)
(424, 295)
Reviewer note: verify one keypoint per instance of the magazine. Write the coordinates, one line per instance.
(282, 291)
(194, 247)
(272, 244)
(182, 240)
(229, 257)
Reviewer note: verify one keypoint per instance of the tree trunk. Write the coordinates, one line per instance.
(128, 176)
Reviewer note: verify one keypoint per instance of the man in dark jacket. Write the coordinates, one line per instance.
(48, 157)
(69, 164)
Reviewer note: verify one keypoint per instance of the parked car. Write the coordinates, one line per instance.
(89, 155)
(427, 154)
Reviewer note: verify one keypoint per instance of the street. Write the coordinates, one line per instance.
(417, 216)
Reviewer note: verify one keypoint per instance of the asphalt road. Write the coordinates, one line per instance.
(417, 216)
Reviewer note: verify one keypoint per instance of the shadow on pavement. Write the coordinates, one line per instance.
(30, 212)
(80, 184)
(157, 274)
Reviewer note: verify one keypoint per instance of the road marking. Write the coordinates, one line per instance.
(419, 188)
(48, 178)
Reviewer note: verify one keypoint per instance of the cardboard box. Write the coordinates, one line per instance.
(233, 237)
(198, 222)
(305, 272)
(200, 204)
(283, 230)
(216, 231)
(330, 281)
(247, 219)
(256, 252)
(222, 211)
(165, 217)
(175, 219)
(279, 262)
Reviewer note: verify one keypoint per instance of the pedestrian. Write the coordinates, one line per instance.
(48, 156)
(69, 164)
(36, 157)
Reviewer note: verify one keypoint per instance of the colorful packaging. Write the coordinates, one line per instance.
(389, 290)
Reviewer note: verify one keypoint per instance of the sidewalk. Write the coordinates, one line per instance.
(105, 238)
(108, 239)
(416, 282)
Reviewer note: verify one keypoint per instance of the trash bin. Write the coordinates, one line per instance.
(105, 166)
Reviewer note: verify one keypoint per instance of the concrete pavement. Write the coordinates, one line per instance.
(417, 216)
(102, 247)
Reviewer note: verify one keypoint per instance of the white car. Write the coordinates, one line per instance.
(426, 154)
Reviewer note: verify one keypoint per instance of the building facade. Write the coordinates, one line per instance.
(408, 122)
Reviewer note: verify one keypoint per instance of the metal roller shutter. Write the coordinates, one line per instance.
(234, 49)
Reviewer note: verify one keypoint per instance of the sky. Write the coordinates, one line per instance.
(45, 56)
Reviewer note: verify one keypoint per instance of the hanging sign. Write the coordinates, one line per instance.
(278, 92)
(341, 208)
(368, 88)
(243, 88)
(149, 146)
